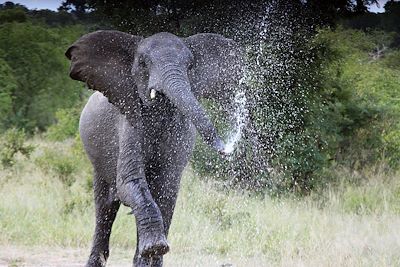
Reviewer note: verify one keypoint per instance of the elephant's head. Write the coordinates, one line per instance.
(130, 71)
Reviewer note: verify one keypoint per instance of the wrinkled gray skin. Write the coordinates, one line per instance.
(139, 146)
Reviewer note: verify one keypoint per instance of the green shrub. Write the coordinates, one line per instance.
(60, 164)
(279, 151)
(340, 108)
(39, 84)
(12, 142)
(77, 202)
(217, 209)
(12, 15)
(8, 84)
(369, 199)
(392, 59)
(67, 121)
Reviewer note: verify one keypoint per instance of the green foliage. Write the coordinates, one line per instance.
(66, 125)
(8, 85)
(52, 18)
(340, 108)
(392, 59)
(219, 212)
(388, 21)
(12, 142)
(177, 16)
(361, 94)
(391, 18)
(12, 15)
(76, 203)
(68, 162)
(356, 201)
(280, 150)
(60, 164)
(35, 72)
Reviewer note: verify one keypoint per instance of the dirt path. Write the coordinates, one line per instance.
(16, 256)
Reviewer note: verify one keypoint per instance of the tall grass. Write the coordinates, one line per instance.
(349, 224)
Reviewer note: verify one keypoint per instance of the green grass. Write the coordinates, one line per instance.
(45, 205)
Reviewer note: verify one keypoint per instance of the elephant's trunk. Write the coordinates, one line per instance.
(177, 88)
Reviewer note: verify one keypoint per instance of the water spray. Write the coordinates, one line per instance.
(240, 116)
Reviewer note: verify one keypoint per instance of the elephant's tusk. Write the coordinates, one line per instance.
(152, 94)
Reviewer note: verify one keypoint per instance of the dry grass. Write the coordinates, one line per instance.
(45, 222)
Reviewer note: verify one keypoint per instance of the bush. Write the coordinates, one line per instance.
(8, 84)
(66, 125)
(68, 162)
(315, 102)
(361, 95)
(38, 83)
(12, 142)
(280, 149)
(12, 15)
(77, 202)
(391, 60)
(217, 210)
(60, 164)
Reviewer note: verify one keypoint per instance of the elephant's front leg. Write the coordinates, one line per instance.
(134, 192)
(164, 172)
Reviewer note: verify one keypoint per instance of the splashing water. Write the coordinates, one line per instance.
(240, 116)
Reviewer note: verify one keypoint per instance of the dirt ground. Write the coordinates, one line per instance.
(18, 256)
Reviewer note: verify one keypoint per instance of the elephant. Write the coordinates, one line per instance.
(138, 127)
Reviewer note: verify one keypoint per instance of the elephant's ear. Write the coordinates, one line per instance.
(217, 67)
(103, 60)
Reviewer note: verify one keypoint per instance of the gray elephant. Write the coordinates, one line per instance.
(139, 128)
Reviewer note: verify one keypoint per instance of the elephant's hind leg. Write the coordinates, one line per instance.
(106, 211)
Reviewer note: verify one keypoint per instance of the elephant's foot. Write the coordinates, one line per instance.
(97, 260)
(156, 261)
(152, 239)
(152, 244)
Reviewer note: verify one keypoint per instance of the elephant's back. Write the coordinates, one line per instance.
(98, 130)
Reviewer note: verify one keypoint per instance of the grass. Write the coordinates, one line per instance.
(47, 208)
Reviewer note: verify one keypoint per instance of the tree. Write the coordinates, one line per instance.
(11, 5)
(391, 19)
(188, 17)
(8, 85)
(39, 82)
(177, 16)
(10, 13)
